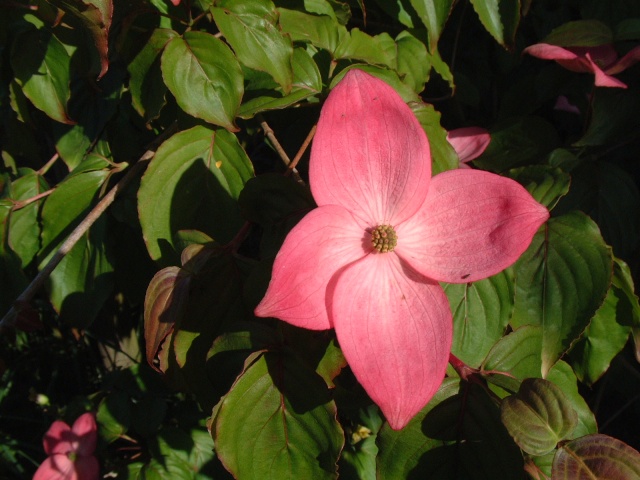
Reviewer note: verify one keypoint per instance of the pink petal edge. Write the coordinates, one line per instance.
(56, 467)
(394, 327)
(631, 58)
(325, 240)
(469, 142)
(87, 431)
(58, 439)
(369, 154)
(472, 225)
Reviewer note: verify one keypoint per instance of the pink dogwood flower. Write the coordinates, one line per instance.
(70, 451)
(601, 60)
(469, 143)
(368, 260)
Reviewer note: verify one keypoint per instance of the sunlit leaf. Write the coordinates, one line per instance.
(251, 29)
(500, 18)
(192, 182)
(204, 76)
(284, 414)
(538, 416)
(561, 280)
(481, 312)
(42, 68)
(434, 15)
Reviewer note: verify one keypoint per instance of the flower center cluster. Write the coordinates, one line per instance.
(384, 238)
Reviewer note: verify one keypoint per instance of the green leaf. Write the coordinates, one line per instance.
(83, 280)
(538, 416)
(251, 29)
(563, 376)
(286, 419)
(606, 335)
(517, 353)
(434, 15)
(24, 230)
(546, 184)
(321, 31)
(378, 50)
(114, 416)
(517, 142)
(414, 64)
(443, 155)
(307, 82)
(192, 182)
(481, 312)
(146, 85)
(561, 281)
(204, 76)
(580, 33)
(596, 456)
(13, 278)
(457, 435)
(500, 18)
(42, 68)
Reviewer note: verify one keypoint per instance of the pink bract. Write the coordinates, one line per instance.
(601, 60)
(371, 166)
(469, 143)
(70, 451)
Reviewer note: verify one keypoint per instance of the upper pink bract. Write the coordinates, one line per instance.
(371, 165)
(469, 143)
(601, 60)
(70, 451)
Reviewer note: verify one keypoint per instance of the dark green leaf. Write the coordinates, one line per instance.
(561, 281)
(42, 68)
(546, 184)
(517, 142)
(251, 29)
(457, 435)
(481, 312)
(192, 182)
(146, 84)
(628, 29)
(596, 457)
(610, 196)
(538, 416)
(284, 414)
(204, 76)
(580, 33)
(114, 416)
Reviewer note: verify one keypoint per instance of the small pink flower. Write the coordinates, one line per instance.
(368, 260)
(469, 143)
(601, 60)
(70, 451)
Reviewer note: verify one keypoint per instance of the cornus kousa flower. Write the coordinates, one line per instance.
(601, 60)
(469, 143)
(70, 451)
(368, 260)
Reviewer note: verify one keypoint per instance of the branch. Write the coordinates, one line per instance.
(10, 318)
(283, 155)
(292, 166)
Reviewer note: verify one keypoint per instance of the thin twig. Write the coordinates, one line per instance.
(10, 318)
(292, 166)
(29, 201)
(283, 155)
(45, 168)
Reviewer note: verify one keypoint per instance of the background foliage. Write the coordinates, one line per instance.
(148, 318)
